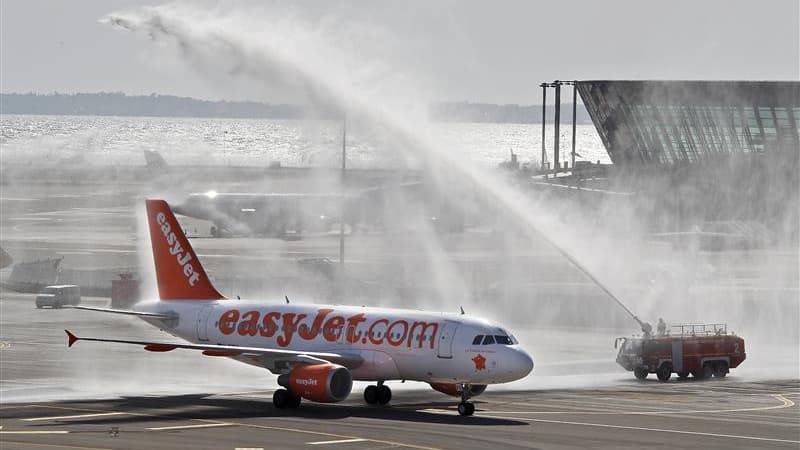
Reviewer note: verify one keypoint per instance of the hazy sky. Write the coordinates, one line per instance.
(493, 51)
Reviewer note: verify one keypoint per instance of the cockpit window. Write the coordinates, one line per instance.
(504, 340)
(488, 339)
(477, 340)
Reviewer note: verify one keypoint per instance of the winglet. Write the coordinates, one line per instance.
(71, 338)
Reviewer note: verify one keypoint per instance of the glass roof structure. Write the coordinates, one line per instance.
(666, 123)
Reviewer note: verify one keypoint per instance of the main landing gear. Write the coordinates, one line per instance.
(380, 394)
(466, 408)
(284, 398)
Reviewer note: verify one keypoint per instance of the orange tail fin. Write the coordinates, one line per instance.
(178, 271)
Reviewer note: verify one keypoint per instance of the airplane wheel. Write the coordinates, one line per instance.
(466, 408)
(371, 394)
(384, 394)
(281, 398)
(294, 400)
(640, 373)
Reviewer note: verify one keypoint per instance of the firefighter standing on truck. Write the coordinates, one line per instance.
(662, 327)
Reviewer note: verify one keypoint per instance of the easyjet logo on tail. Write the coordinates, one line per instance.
(179, 273)
(175, 249)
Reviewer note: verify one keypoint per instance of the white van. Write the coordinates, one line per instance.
(59, 295)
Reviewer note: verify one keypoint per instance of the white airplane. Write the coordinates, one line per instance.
(318, 350)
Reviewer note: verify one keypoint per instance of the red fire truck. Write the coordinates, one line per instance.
(703, 350)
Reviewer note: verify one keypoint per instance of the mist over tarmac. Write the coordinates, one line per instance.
(324, 62)
(512, 265)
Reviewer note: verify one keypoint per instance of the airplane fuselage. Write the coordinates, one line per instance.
(390, 344)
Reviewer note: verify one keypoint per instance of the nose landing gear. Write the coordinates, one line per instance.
(466, 408)
(380, 394)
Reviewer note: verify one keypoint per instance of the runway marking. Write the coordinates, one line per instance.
(17, 407)
(35, 432)
(190, 427)
(77, 416)
(341, 441)
(322, 433)
(36, 444)
(658, 430)
(785, 403)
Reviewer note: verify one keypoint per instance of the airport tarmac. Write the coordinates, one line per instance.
(724, 415)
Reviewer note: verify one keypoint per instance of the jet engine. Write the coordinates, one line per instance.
(323, 383)
(454, 389)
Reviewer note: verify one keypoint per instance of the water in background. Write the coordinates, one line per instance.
(121, 140)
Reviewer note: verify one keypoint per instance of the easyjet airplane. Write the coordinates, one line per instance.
(318, 350)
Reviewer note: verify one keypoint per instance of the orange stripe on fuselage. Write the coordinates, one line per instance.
(288, 326)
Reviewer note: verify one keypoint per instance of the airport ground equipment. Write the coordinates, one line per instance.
(702, 350)
(59, 295)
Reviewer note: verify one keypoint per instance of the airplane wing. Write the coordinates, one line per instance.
(270, 356)
(123, 311)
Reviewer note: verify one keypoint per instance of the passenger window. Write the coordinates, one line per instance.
(488, 340)
(477, 340)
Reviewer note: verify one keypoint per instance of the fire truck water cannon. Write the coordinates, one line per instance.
(702, 350)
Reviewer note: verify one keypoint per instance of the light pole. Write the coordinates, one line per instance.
(342, 200)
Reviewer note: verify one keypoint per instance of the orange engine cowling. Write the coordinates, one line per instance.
(455, 389)
(323, 383)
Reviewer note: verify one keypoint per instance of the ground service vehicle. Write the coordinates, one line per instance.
(58, 296)
(703, 350)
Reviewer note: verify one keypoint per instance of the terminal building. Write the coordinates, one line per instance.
(703, 153)
(672, 123)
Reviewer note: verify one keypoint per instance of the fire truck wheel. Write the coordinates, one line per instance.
(708, 370)
(683, 375)
(721, 370)
(664, 371)
(640, 372)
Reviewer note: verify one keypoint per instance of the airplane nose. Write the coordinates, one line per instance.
(523, 363)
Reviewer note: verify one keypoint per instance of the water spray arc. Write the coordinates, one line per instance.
(203, 40)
